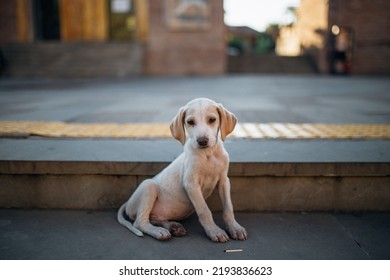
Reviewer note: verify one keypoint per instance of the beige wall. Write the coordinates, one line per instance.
(312, 25)
(84, 20)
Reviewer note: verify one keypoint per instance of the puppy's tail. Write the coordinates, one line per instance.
(126, 223)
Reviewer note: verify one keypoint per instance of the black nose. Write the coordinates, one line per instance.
(202, 141)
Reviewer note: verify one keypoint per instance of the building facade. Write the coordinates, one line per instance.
(346, 36)
(118, 38)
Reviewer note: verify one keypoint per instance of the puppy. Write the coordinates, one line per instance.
(182, 187)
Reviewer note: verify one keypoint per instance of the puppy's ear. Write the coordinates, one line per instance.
(177, 126)
(228, 121)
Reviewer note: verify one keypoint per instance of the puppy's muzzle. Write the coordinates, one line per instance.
(203, 142)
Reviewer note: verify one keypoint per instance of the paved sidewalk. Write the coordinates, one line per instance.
(259, 99)
(56, 234)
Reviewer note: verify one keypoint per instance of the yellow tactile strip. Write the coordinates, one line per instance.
(161, 130)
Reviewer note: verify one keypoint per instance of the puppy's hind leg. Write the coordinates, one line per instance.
(122, 220)
(146, 196)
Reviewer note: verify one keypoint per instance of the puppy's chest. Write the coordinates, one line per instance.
(208, 171)
(209, 161)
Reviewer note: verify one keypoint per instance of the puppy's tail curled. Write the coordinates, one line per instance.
(126, 223)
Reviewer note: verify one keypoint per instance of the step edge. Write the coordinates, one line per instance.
(148, 168)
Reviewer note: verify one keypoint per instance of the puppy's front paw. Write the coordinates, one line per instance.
(237, 232)
(161, 233)
(217, 234)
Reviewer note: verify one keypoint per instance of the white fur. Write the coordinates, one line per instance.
(182, 187)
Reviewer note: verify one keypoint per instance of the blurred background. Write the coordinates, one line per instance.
(124, 38)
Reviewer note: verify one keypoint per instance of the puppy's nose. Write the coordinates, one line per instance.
(202, 141)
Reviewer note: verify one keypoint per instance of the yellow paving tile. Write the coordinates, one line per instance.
(161, 130)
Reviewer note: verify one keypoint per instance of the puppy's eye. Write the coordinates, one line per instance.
(191, 122)
(212, 120)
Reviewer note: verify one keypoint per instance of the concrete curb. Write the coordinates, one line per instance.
(91, 174)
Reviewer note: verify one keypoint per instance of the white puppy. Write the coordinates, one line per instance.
(183, 186)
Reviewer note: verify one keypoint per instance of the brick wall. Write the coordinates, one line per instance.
(185, 52)
(370, 23)
(8, 24)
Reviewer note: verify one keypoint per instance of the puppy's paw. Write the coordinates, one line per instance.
(161, 233)
(177, 229)
(217, 234)
(237, 232)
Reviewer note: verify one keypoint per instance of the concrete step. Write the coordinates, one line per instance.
(266, 175)
(72, 60)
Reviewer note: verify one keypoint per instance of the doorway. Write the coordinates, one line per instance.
(47, 20)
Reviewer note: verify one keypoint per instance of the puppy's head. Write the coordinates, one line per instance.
(203, 120)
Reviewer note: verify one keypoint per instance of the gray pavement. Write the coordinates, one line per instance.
(267, 98)
(56, 234)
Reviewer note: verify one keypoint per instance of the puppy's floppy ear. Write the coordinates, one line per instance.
(177, 126)
(227, 121)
